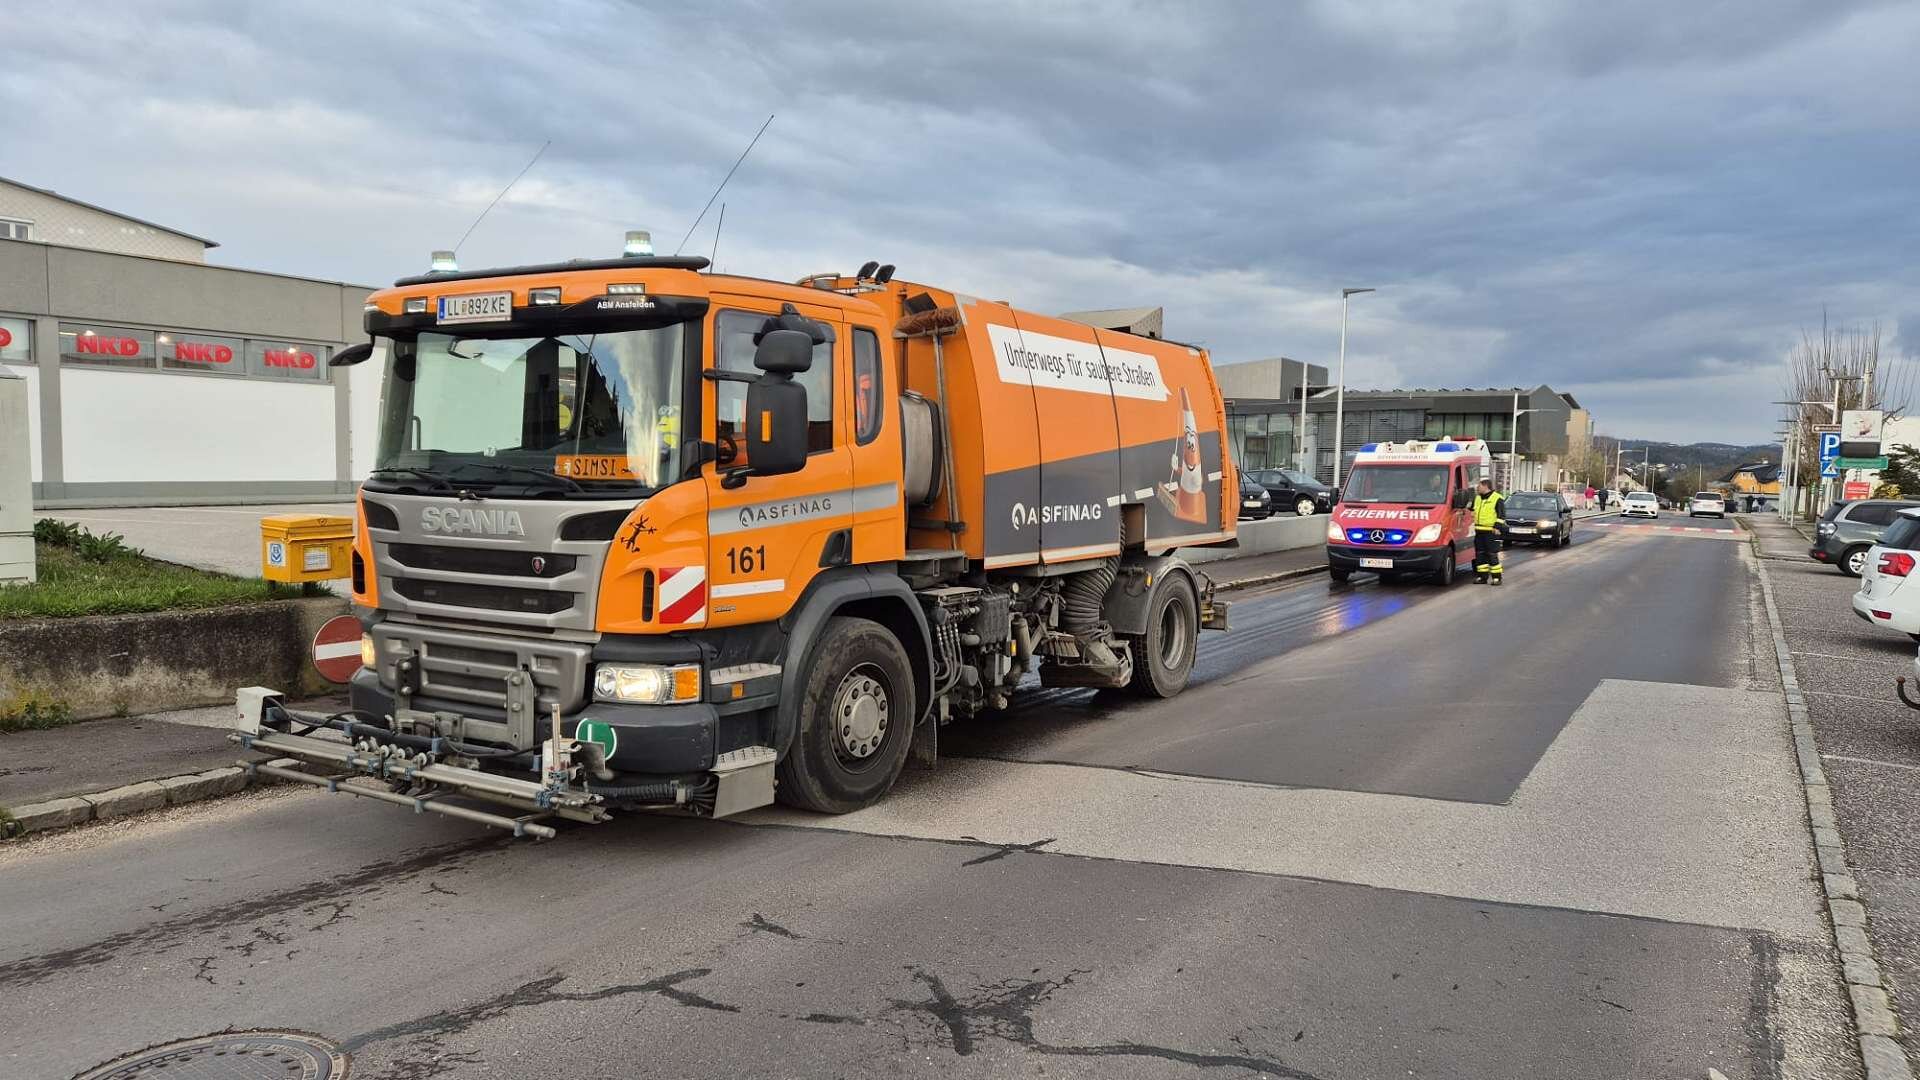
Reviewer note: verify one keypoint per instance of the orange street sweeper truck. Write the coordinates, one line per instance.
(642, 536)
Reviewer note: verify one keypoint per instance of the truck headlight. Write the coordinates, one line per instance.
(647, 684)
(1334, 535)
(1427, 535)
(367, 654)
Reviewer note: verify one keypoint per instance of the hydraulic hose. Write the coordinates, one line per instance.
(653, 791)
(1084, 595)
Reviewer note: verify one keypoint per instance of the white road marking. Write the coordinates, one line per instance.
(1870, 761)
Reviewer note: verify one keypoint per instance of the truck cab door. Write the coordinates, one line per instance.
(767, 537)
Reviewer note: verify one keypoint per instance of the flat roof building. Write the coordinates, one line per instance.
(155, 378)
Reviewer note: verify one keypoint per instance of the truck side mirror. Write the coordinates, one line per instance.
(784, 352)
(776, 425)
(351, 355)
(776, 420)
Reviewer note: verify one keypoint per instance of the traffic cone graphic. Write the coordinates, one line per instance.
(1187, 487)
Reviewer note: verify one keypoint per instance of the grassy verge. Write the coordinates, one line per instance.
(72, 583)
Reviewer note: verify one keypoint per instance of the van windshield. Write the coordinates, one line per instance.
(1423, 485)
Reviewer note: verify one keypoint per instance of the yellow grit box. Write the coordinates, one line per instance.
(305, 547)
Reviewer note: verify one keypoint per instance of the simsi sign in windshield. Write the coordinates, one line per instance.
(1081, 366)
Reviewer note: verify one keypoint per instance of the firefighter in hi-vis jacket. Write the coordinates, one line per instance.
(1489, 521)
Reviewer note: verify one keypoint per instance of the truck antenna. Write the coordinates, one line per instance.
(723, 184)
(714, 259)
(502, 195)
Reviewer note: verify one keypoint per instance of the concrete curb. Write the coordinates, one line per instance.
(138, 798)
(1875, 1020)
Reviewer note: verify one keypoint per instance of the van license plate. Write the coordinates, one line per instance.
(1376, 564)
(476, 307)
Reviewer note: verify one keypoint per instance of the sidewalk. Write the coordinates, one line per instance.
(112, 767)
(1774, 538)
(225, 539)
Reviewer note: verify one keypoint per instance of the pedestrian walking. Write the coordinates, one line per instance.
(1489, 522)
(1589, 505)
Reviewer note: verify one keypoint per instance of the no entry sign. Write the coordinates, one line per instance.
(336, 649)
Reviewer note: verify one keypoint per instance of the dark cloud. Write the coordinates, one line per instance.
(1640, 201)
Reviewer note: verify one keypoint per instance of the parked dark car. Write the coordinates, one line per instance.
(1255, 503)
(1848, 529)
(1539, 517)
(1294, 490)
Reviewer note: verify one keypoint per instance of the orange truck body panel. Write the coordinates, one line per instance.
(1068, 443)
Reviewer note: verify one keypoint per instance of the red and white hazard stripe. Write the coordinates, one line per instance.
(683, 594)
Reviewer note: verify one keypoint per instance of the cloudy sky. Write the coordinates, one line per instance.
(1641, 202)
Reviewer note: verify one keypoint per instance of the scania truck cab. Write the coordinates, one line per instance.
(639, 535)
(1405, 509)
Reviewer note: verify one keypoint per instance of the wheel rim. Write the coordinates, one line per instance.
(861, 716)
(1304, 507)
(1857, 561)
(1173, 636)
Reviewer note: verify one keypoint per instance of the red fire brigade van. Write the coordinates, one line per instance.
(1407, 509)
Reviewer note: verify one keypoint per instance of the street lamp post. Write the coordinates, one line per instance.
(1340, 392)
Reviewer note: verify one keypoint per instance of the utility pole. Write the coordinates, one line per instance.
(1340, 394)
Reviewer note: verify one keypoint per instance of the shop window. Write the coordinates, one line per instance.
(16, 341)
(15, 229)
(106, 346)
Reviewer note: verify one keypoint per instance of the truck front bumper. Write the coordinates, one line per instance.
(647, 739)
(1406, 560)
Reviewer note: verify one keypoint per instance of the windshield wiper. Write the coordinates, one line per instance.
(567, 483)
(441, 482)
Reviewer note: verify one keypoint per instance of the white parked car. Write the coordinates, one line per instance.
(1640, 504)
(1707, 502)
(1889, 594)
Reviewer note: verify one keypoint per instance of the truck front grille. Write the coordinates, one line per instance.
(458, 560)
(483, 597)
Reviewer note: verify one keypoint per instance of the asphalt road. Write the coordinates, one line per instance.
(1548, 830)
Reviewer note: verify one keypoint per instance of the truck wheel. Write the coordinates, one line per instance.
(1339, 573)
(1444, 576)
(856, 720)
(1163, 656)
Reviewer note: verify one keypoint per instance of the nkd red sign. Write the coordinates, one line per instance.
(289, 357)
(105, 345)
(202, 352)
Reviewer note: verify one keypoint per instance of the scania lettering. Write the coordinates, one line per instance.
(1405, 510)
(639, 536)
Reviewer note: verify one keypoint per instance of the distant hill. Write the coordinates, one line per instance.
(1714, 459)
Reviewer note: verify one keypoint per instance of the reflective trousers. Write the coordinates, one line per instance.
(1486, 553)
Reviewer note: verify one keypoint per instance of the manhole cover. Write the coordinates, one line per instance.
(242, 1055)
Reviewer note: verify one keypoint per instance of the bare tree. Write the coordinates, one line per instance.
(1842, 364)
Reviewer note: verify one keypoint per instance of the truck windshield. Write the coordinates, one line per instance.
(1424, 485)
(571, 412)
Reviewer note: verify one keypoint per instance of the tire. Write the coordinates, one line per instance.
(1163, 656)
(856, 720)
(1853, 560)
(1339, 573)
(1303, 506)
(1566, 538)
(1444, 576)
